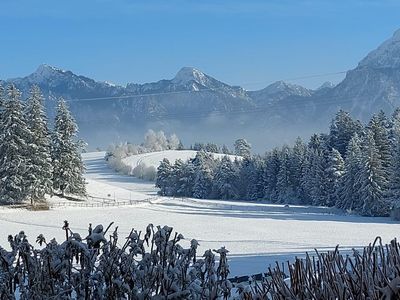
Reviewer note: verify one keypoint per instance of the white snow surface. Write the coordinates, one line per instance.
(154, 158)
(256, 234)
(187, 74)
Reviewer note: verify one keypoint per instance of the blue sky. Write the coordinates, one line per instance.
(250, 43)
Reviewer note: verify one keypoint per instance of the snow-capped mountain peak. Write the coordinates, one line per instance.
(387, 55)
(46, 69)
(189, 74)
(285, 87)
(326, 85)
(45, 72)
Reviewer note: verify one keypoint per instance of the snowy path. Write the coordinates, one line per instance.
(256, 234)
(104, 182)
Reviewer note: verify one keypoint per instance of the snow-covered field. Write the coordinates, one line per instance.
(256, 234)
(154, 158)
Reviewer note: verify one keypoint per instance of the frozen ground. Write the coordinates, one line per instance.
(256, 234)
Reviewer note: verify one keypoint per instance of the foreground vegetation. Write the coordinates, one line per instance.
(153, 265)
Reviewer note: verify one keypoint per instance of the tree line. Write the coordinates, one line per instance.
(35, 161)
(354, 167)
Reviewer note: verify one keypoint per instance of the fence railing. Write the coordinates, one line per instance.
(105, 202)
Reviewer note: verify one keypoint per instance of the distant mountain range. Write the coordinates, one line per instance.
(199, 107)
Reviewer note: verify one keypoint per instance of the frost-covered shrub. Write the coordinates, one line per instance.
(153, 141)
(119, 166)
(146, 265)
(145, 172)
(152, 264)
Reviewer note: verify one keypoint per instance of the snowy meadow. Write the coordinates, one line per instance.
(256, 234)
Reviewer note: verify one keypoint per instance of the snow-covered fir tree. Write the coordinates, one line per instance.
(319, 184)
(334, 173)
(224, 180)
(251, 172)
(15, 150)
(66, 154)
(242, 148)
(41, 169)
(307, 174)
(2, 96)
(212, 147)
(372, 179)
(342, 129)
(284, 182)
(225, 149)
(378, 127)
(350, 187)
(393, 191)
(394, 128)
(271, 170)
(315, 175)
(164, 175)
(183, 174)
(203, 181)
(298, 164)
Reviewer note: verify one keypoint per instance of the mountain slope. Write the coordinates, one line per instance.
(374, 84)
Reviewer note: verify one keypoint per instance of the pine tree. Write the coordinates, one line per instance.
(242, 148)
(379, 130)
(272, 165)
(225, 150)
(315, 142)
(350, 188)
(372, 179)
(394, 128)
(203, 182)
(180, 145)
(182, 178)
(2, 97)
(67, 161)
(334, 172)
(314, 180)
(211, 147)
(163, 180)
(40, 158)
(14, 150)
(319, 186)
(343, 127)
(204, 170)
(284, 184)
(224, 179)
(307, 176)
(250, 183)
(299, 156)
(255, 189)
(393, 192)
